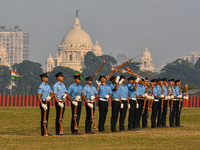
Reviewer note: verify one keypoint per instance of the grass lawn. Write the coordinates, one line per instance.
(20, 129)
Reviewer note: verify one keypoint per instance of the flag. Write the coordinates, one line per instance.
(81, 76)
(15, 75)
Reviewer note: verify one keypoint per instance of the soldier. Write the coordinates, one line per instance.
(44, 95)
(60, 93)
(105, 93)
(177, 102)
(115, 102)
(132, 87)
(75, 93)
(90, 93)
(155, 94)
(123, 92)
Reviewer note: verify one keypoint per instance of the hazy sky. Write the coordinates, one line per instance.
(169, 28)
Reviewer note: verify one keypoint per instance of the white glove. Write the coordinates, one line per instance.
(137, 105)
(122, 106)
(61, 104)
(152, 97)
(117, 79)
(179, 96)
(148, 97)
(75, 103)
(48, 98)
(168, 97)
(90, 105)
(120, 82)
(107, 96)
(44, 106)
(172, 97)
(98, 82)
(92, 97)
(186, 97)
(77, 98)
(162, 96)
(137, 80)
(145, 95)
(64, 96)
(129, 106)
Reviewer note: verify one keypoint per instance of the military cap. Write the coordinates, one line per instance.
(113, 77)
(78, 76)
(177, 81)
(59, 74)
(132, 78)
(145, 78)
(172, 79)
(164, 79)
(44, 75)
(122, 77)
(157, 80)
(89, 78)
(153, 80)
(101, 76)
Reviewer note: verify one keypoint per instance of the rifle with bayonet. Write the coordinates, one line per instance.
(45, 121)
(92, 115)
(186, 102)
(60, 120)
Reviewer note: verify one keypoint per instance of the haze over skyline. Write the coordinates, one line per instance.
(169, 28)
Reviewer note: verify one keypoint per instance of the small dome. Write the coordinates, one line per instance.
(50, 58)
(2, 49)
(77, 36)
(97, 47)
(146, 53)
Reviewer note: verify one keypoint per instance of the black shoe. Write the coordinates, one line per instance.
(92, 132)
(115, 131)
(78, 133)
(104, 131)
(159, 126)
(172, 126)
(165, 126)
(153, 127)
(49, 134)
(74, 133)
(144, 127)
(87, 132)
(124, 130)
(180, 126)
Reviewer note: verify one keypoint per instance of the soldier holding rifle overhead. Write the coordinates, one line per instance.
(116, 102)
(75, 94)
(90, 93)
(132, 87)
(44, 96)
(105, 93)
(60, 93)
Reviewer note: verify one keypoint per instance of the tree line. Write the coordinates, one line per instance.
(30, 71)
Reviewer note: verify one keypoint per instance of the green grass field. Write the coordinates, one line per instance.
(20, 129)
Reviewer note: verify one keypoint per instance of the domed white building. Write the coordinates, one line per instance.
(146, 61)
(71, 51)
(3, 56)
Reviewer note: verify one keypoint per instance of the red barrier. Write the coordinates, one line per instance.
(11, 100)
(198, 101)
(35, 100)
(8, 99)
(31, 100)
(27, 100)
(15, 100)
(19, 100)
(4, 99)
(194, 105)
(191, 102)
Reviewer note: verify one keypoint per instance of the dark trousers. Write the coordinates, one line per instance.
(78, 115)
(159, 119)
(177, 113)
(42, 117)
(132, 114)
(115, 113)
(154, 114)
(103, 110)
(88, 119)
(58, 108)
(123, 115)
(164, 114)
(171, 115)
(139, 111)
(144, 115)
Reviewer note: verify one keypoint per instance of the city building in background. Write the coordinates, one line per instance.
(75, 44)
(192, 58)
(146, 61)
(16, 44)
(3, 56)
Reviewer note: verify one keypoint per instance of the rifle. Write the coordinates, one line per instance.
(144, 105)
(172, 92)
(100, 67)
(108, 76)
(75, 122)
(162, 100)
(179, 100)
(92, 115)
(167, 85)
(151, 105)
(186, 102)
(45, 122)
(60, 120)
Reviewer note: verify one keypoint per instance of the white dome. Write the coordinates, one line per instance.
(97, 47)
(146, 53)
(2, 49)
(77, 36)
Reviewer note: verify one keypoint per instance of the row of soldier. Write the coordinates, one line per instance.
(140, 97)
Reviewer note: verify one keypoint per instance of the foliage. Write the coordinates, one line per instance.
(5, 76)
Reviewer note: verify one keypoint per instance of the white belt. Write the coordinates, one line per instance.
(44, 100)
(155, 100)
(77, 100)
(60, 100)
(132, 98)
(124, 99)
(116, 99)
(90, 101)
(103, 99)
(177, 99)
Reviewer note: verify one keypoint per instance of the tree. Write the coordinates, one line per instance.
(29, 71)
(197, 65)
(5, 77)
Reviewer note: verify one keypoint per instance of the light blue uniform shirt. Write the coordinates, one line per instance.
(140, 90)
(123, 91)
(44, 90)
(165, 90)
(170, 90)
(59, 90)
(115, 94)
(89, 91)
(132, 94)
(75, 90)
(104, 90)
(177, 90)
(154, 91)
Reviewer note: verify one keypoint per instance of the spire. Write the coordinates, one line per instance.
(96, 43)
(77, 22)
(146, 49)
